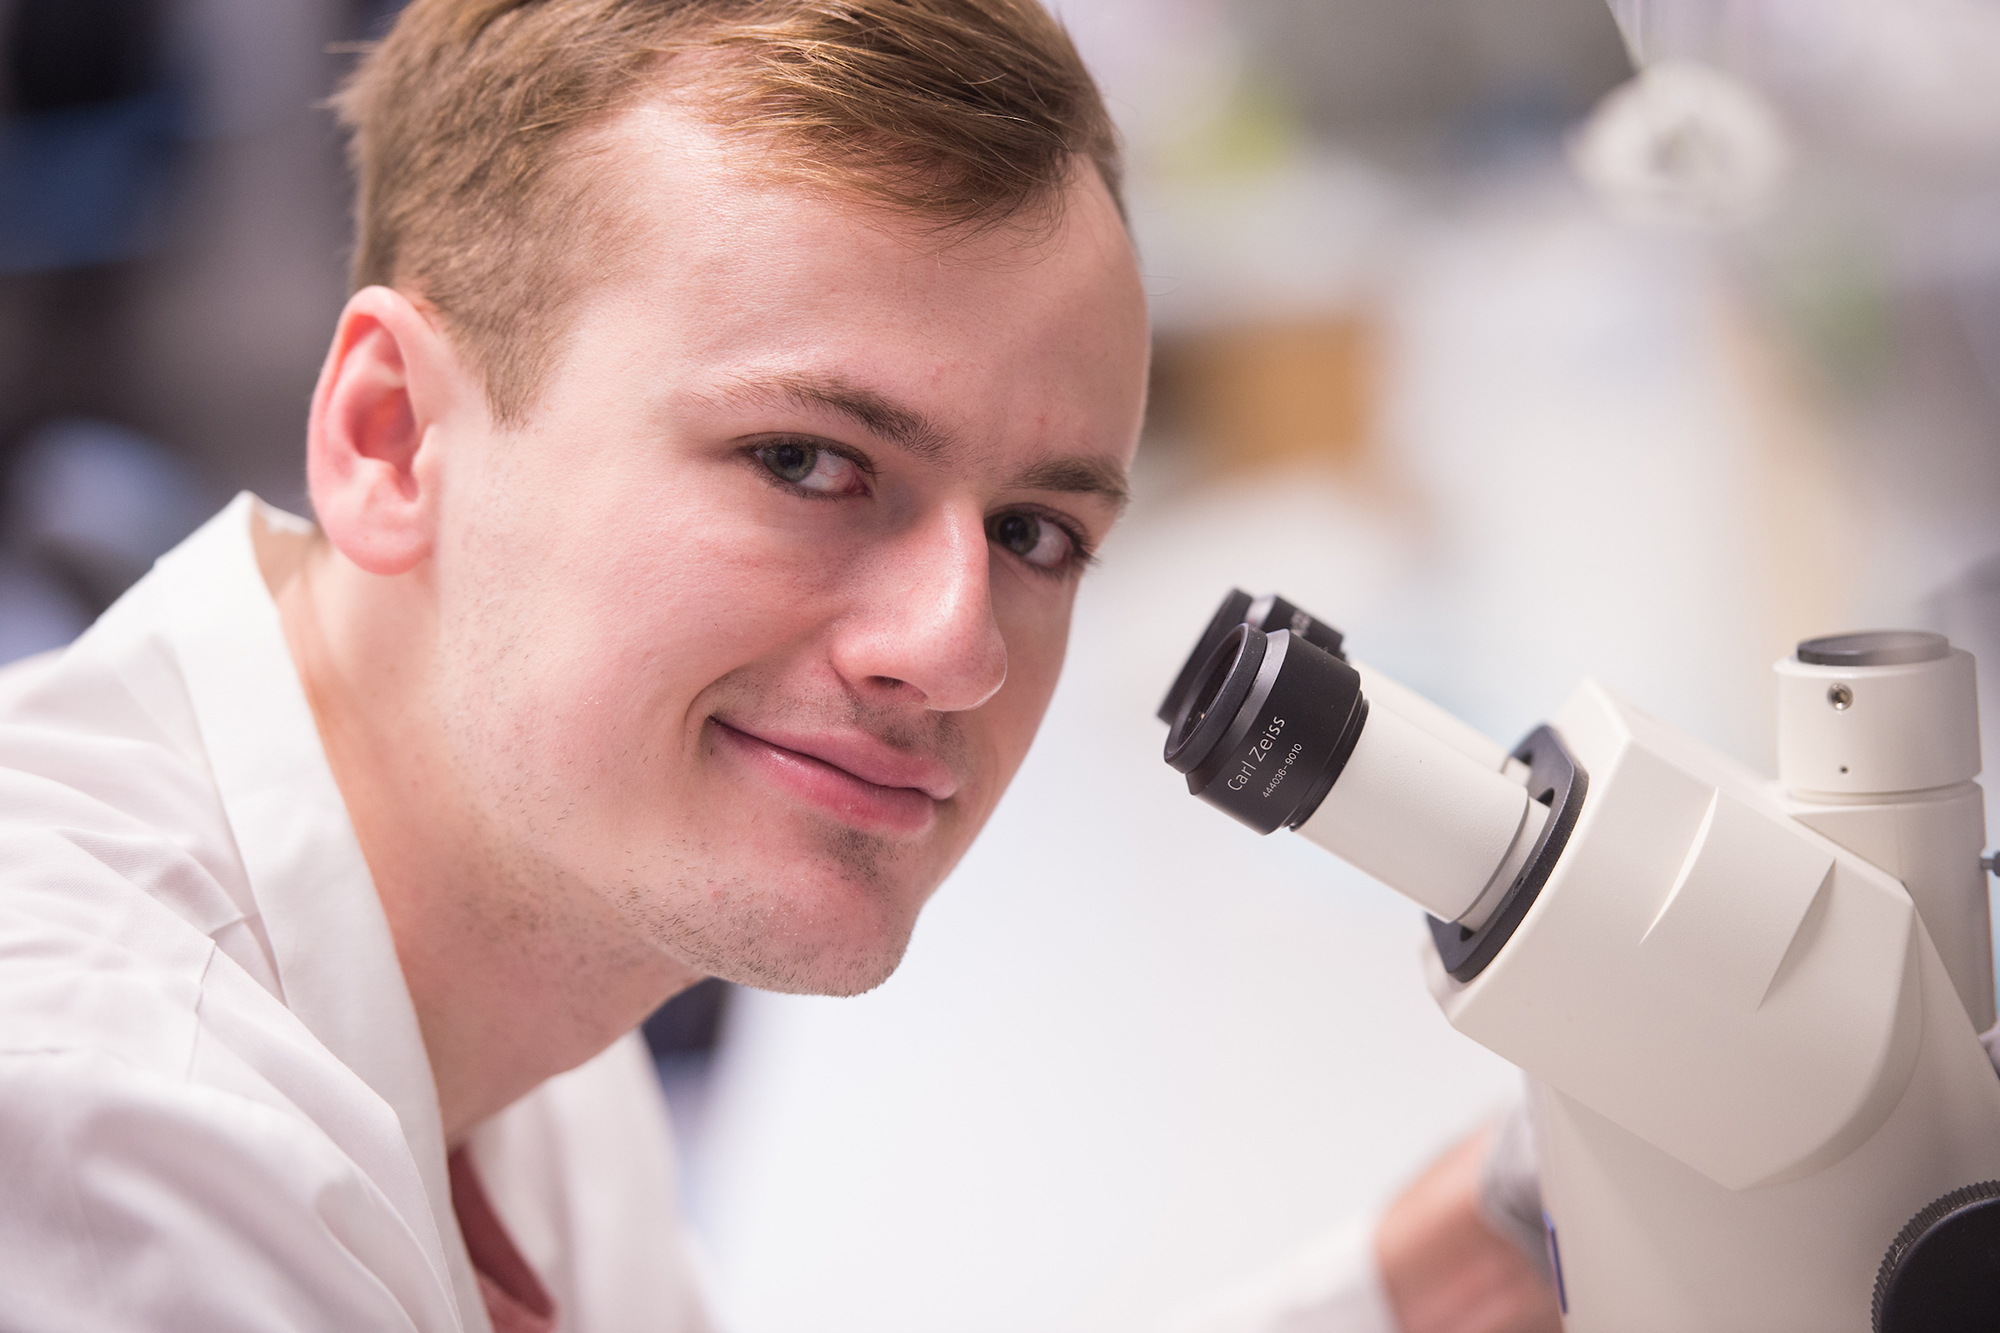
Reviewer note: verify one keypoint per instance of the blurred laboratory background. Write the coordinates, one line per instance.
(1522, 340)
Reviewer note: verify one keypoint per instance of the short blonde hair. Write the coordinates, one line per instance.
(961, 112)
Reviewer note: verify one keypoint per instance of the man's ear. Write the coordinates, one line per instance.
(388, 374)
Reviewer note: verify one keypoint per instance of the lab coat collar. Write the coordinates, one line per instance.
(306, 871)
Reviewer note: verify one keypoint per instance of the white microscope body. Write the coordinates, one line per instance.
(1749, 1009)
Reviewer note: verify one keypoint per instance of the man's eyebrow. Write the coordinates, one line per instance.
(901, 426)
(1078, 476)
(918, 434)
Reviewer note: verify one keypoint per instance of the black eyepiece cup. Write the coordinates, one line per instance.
(1227, 617)
(1266, 725)
(1269, 613)
(1272, 613)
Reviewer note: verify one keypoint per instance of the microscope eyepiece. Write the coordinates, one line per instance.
(1269, 613)
(1266, 723)
(1234, 611)
(1219, 680)
(1276, 732)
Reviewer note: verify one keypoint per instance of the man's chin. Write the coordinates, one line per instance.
(829, 971)
(814, 936)
(795, 903)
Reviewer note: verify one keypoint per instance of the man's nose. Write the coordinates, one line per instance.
(922, 629)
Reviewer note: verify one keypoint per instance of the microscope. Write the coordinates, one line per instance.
(1749, 1011)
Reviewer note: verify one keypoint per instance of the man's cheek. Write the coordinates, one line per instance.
(1035, 652)
(613, 721)
(1001, 741)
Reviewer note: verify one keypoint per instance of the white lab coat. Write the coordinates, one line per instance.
(216, 1112)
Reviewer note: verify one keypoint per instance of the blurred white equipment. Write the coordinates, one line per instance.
(1750, 1010)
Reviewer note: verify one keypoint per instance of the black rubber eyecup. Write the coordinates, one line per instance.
(1228, 616)
(1216, 689)
(1266, 728)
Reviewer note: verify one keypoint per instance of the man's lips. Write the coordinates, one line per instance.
(851, 775)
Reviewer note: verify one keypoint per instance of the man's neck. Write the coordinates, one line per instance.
(490, 951)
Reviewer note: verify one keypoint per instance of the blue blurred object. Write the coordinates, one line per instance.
(690, 1024)
(88, 147)
(86, 184)
(94, 505)
(36, 613)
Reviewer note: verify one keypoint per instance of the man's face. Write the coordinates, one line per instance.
(746, 629)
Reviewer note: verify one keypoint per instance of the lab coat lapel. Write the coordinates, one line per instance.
(335, 957)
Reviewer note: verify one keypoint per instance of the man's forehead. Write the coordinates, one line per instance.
(667, 152)
(933, 166)
(774, 290)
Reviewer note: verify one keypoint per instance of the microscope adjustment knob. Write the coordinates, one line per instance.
(1942, 1274)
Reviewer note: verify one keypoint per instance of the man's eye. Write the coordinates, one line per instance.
(810, 467)
(1041, 543)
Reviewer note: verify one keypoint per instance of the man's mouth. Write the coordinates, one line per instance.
(851, 775)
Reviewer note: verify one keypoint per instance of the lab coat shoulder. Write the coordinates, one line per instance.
(162, 1112)
(123, 1182)
(101, 759)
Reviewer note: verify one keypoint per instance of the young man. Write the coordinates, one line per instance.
(733, 395)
